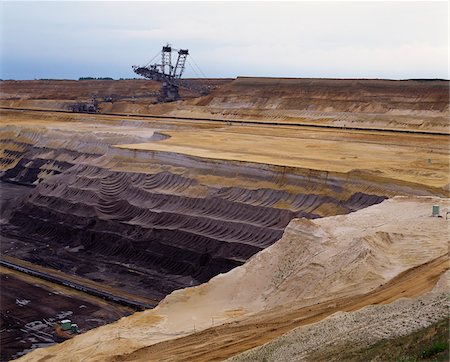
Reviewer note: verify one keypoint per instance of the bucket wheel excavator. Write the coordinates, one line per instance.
(170, 75)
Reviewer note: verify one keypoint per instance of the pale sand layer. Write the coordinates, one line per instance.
(411, 158)
(315, 261)
(418, 159)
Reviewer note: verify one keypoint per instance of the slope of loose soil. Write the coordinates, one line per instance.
(376, 332)
(218, 343)
(317, 268)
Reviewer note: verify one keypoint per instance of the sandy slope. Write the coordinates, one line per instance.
(320, 261)
(352, 333)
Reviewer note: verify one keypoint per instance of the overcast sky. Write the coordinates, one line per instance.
(394, 40)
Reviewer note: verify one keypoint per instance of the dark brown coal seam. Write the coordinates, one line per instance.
(231, 239)
(201, 216)
(168, 268)
(160, 180)
(158, 240)
(119, 234)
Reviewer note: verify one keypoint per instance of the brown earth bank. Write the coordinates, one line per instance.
(113, 95)
(368, 103)
(338, 95)
(85, 89)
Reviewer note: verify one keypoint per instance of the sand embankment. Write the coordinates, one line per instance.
(360, 335)
(317, 263)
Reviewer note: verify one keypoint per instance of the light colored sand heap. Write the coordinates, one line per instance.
(315, 261)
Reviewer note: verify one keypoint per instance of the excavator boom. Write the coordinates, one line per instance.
(169, 75)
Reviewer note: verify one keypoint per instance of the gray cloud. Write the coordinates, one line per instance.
(291, 39)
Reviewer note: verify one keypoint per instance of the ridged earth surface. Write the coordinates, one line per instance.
(362, 103)
(319, 267)
(164, 223)
(152, 205)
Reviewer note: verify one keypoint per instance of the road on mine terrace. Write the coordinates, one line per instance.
(88, 287)
(239, 122)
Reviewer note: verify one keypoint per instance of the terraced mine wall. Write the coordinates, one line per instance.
(338, 95)
(73, 89)
(153, 222)
(94, 197)
(411, 104)
(128, 95)
(366, 103)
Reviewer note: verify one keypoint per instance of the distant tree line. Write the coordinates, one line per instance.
(93, 78)
(81, 78)
(104, 78)
(428, 79)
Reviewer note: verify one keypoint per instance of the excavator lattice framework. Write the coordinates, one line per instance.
(170, 75)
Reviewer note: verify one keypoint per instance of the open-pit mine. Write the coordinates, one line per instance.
(269, 220)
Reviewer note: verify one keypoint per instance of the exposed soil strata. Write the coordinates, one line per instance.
(408, 104)
(174, 221)
(148, 205)
(338, 95)
(72, 89)
(152, 221)
(375, 255)
(411, 158)
(339, 102)
(125, 95)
